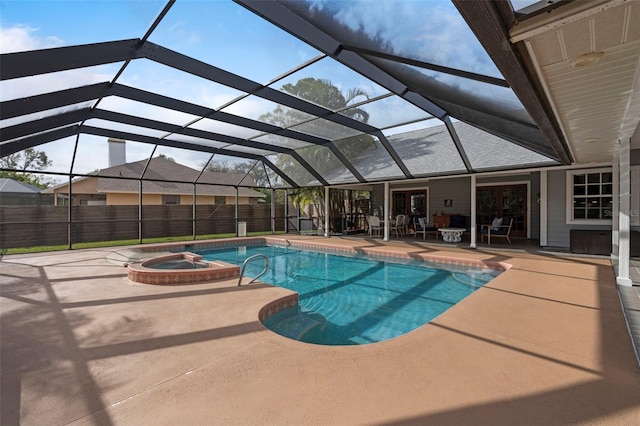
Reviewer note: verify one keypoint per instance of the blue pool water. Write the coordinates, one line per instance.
(351, 300)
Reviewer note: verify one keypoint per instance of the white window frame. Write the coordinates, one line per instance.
(569, 196)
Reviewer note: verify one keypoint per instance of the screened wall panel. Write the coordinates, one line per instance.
(329, 84)
(282, 141)
(369, 157)
(293, 169)
(227, 35)
(121, 127)
(54, 81)
(177, 84)
(43, 114)
(327, 164)
(427, 152)
(266, 111)
(221, 127)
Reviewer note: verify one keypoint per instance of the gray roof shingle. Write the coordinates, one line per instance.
(161, 168)
(13, 186)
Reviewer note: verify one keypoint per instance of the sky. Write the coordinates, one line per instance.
(230, 37)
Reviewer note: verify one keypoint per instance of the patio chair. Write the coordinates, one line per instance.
(374, 225)
(421, 226)
(405, 224)
(502, 230)
(397, 225)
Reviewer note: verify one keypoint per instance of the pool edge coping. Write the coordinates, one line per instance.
(328, 246)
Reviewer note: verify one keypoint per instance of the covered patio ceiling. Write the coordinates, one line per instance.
(305, 93)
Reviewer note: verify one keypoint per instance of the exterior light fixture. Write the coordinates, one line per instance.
(586, 59)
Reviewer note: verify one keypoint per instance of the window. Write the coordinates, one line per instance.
(590, 196)
(171, 199)
(220, 199)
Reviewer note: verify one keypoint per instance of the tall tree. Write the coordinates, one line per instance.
(28, 159)
(324, 93)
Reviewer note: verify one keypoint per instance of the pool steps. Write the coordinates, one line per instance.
(297, 324)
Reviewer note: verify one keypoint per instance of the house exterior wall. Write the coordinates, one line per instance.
(377, 200)
(83, 186)
(127, 199)
(122, 199)
(558, 228)
(456, 189)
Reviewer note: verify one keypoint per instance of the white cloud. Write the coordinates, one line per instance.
(21, 38)
(431, 31)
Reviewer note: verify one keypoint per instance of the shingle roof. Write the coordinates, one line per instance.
(161, 168)
(13, 186)
(431, 151)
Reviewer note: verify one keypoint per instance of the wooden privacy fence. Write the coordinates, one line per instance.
(30, 226)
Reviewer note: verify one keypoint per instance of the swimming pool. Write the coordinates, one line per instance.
(352, 300)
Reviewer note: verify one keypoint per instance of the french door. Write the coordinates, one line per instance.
(409, 202)
(503, 200)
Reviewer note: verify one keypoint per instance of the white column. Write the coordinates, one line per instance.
(386, 211)
(625, 205)
(326, 211)
(473, 229)
(544, 233)
(615, 202)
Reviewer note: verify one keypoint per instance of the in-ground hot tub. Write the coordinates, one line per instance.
(181, 268)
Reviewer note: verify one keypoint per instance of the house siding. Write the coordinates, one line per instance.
(557, 231)
(458, 190)
(125, 199)
(120, 199)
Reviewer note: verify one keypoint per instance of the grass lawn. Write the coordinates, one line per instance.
(96, 244)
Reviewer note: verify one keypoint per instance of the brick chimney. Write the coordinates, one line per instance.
(117, 152)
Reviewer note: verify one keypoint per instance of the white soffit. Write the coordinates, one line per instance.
(587, 58)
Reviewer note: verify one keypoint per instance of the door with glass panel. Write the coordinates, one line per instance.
(510, 200)
(413, 203)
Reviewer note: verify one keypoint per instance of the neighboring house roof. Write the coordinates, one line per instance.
(163, 169)
(13, 186)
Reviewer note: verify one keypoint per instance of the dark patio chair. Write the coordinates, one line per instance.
(421, 226)
(502, 230)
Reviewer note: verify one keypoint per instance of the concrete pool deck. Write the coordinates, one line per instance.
(544, 343)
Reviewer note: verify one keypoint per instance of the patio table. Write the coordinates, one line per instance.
(451, 235)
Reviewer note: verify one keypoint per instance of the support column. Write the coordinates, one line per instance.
(625, 206)
(193, 212)
(69, 215)
(474, 229)
(273, 211)
(140, 210)
(326, 211)
(386, 211)
(235, 214)
(286, 211)
(615, 203)
(544, 194)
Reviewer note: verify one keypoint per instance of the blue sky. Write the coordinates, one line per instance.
(225, 35)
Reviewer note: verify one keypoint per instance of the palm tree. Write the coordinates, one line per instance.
(324, 93)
